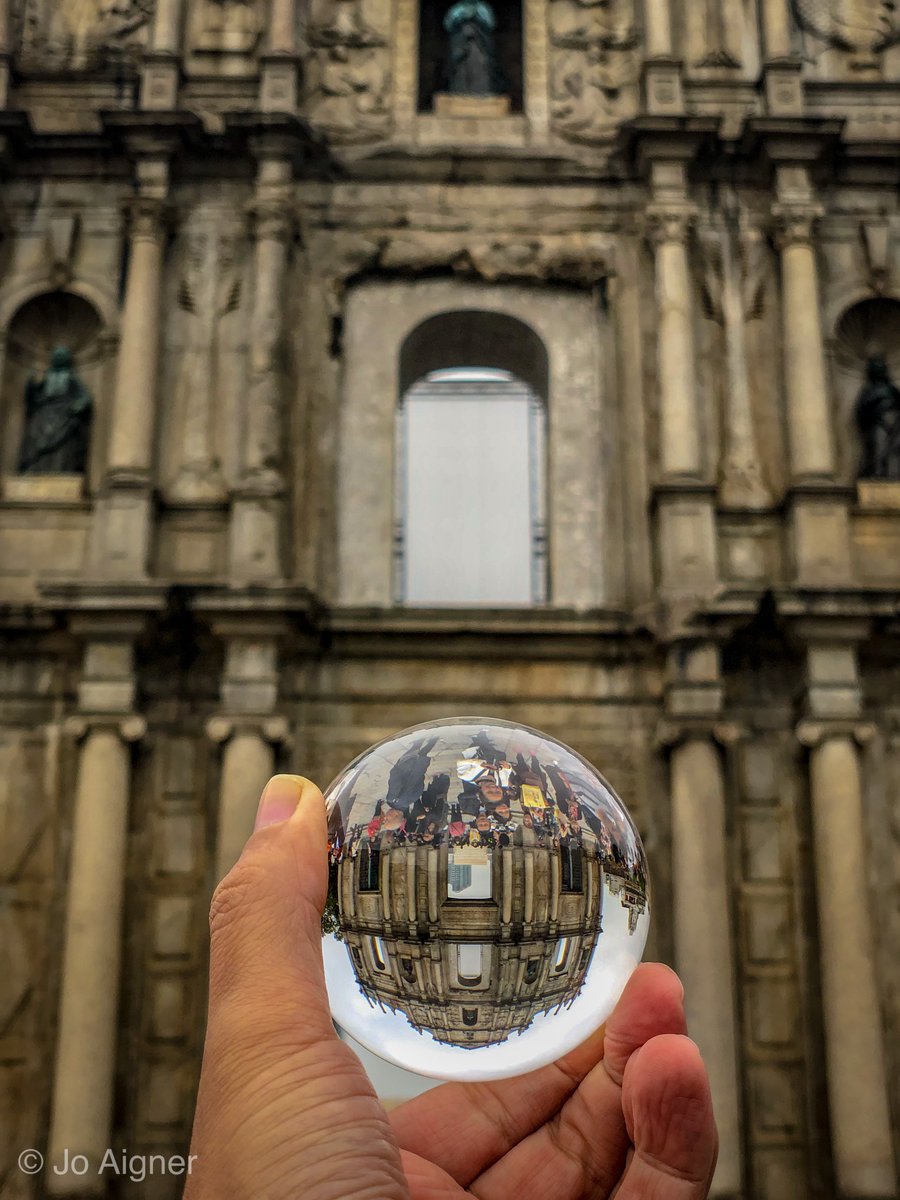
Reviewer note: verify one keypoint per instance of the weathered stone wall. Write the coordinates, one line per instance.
(234, 214)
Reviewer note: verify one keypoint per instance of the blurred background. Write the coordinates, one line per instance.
(370, 361)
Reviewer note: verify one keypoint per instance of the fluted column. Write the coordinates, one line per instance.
(81, 1120)
(809, 419)
(248, 760)
(679, 440)
(704, 953)
(258, 502)
(279, 66)
(854, 1040)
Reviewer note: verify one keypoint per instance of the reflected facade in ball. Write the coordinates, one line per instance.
(488, 899)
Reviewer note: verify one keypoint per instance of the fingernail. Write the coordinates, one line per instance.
(279, 800)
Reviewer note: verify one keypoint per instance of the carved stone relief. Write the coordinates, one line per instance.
(858, 27)
(347, 70)
(594, 66)
(209, 291)
(80, 35)
(225, 27)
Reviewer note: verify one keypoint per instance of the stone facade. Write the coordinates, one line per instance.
(236, 213)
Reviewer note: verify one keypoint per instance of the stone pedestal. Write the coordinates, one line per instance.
(448, 104)
(703, 939)
(855, 1049)
(81, 1120)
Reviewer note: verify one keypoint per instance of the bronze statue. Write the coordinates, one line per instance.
(472, 68)
(57, 420)
(878, 421)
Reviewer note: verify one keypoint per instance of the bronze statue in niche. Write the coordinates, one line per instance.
(472, 66)
(58, 410)
(878, 421)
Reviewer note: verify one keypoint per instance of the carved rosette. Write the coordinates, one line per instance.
(594, 67)
(347, 70)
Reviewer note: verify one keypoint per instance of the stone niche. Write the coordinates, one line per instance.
(395, 333)
(50, 319)
(72, 35)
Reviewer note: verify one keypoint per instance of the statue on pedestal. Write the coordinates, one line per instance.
(57, 420)
(472, 68)
(878, 421)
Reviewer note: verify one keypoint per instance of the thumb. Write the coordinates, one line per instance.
(265, 917)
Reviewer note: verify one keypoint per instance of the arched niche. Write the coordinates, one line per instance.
(467, 337)
(393, 330)
(867, 329)
(40, 323)
(471, 463)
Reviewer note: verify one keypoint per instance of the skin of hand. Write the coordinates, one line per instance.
(285, 1110)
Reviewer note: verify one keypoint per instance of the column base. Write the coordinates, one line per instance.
(686, 522)
(663, 94)
(255, 539)
(120, 535)
(160, 82)
(820, 534)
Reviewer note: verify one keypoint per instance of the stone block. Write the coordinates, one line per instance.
(774, 1016)
(173, 926)
(767, 928)
(759, 777)
(780, 1174)
(176, 844)
(448, 104)
(776, 1101)
(43, 489)
(762, 849)
(879, 494)
(169, 1008)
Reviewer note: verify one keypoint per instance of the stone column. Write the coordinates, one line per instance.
(658, 28)
(679, 433)
(81, 1119)
(258, 502)
(279, 67)
(776, 29)
(704, 953)
(161, 66)
(809, 419)
(121, 533)
(684, 499)
(248, 760)
(818, 506)
(854, 1042)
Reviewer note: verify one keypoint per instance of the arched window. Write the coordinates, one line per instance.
(469, 963)
(369, 867)
(471, 463)
(571, 860)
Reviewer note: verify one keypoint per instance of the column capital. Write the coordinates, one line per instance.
(148, 218)
(670, 734)
(272, 218)
(669, 223)
(131, 727)
(274, 729)
(795, 223)
(812, 733)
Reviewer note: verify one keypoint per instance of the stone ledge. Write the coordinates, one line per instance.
(43, 489)
(881, 494)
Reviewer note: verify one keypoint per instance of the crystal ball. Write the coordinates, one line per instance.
(488, 899)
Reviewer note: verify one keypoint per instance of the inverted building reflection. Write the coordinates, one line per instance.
(474, 915)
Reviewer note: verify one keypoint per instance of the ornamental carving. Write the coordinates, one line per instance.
(594, 66)
(80, 35)
(856, 26)
(226, 27)
(347, 71)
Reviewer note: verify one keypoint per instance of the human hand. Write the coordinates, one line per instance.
(285, 1109)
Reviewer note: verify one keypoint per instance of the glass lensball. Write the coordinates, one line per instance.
(488, 899)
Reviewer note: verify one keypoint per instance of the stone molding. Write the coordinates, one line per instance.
(276, 730)
(131, 728)
(811, 733)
